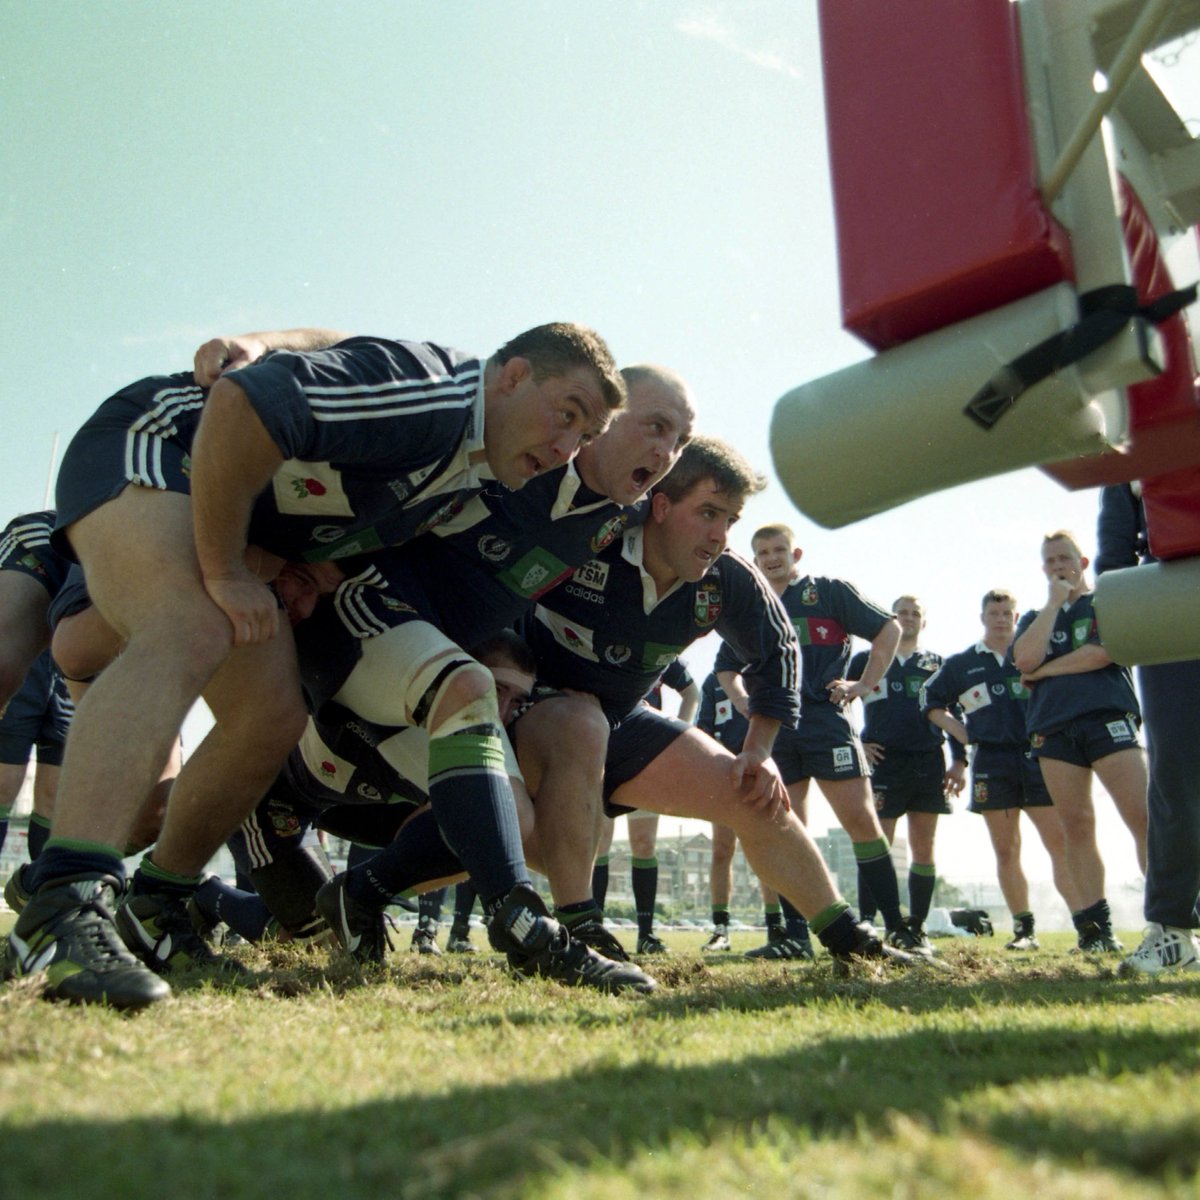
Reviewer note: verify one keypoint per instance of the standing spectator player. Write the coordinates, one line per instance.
(826, 613)
(1171, 703)
(178, 503)
(643, 827)
(723, 723)
(1006, 781)
(1083, 720)
(909, 776)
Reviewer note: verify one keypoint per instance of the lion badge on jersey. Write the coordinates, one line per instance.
(708, 603)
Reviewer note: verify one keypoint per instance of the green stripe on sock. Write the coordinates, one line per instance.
(484, 752)
(923, 869)
(149, 869)
(82, 847)
(644, 863)
(827, 916)
(876, 848)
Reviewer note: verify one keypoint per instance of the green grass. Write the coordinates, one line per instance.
(990, 1076)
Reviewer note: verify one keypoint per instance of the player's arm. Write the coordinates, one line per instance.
(879, 658)
(1089, 657)
(728, 671)
(221, 354)
(689, 702)
(760, 634)
(949, 724)
(1033, 644)
(233, 459)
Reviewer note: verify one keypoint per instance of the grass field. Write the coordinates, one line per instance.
(993, 1075)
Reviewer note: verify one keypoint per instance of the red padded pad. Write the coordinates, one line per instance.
(935, 190)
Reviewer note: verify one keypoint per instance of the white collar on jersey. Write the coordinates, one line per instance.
(567, 489)
(632, 549)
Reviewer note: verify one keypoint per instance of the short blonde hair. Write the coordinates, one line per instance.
(1063, 535)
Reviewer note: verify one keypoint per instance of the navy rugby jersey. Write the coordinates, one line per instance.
(987, 691)
(376, 436)
(1055, 701)
(892, 714)
(718, 717)
(825, 613)
(485, 565)
(609, 634)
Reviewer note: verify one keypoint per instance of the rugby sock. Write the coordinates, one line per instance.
(878, 874)
(418, 854)
(39, 835)
(773, 915)
(288, 885)
(246, 913)
(794, 924)
(62, 857)
(1095, 914)
(922, 879)
(359, 854)
(151, 879)
(429, 905)
(720, 914)
(464, 901)
(473, 803)
(600, 881)
(571, 915)
(836, 928)
(3, 828)
(644, 872)
(1023, 924)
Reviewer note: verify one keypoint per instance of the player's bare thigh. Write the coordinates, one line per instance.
(138, 553)
(692, 777)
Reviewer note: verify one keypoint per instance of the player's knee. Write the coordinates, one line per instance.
(583, 726)
(465, 697)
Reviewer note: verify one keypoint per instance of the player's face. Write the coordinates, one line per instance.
(910, 616)
(1060, 560)
(999, 619)
(694, 530)
(775, 557)
(642, 444)
(513, 687)
(539, 426)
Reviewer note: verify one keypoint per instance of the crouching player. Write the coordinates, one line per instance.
(631, 611)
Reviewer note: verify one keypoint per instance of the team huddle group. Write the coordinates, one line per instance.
(424, 596)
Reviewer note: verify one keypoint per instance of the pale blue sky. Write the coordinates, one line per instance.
(655, 168)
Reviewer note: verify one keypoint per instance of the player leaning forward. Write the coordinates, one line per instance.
(179, 502)
(641, 602)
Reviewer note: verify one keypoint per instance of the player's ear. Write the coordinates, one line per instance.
(660, 505)
(513, 372)
(797, 554)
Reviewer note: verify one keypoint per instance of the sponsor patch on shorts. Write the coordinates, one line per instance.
(843, 758)
(1119, 731)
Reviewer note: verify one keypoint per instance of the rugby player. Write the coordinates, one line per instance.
(1083, 719)
(909, 776)
(824, 746)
